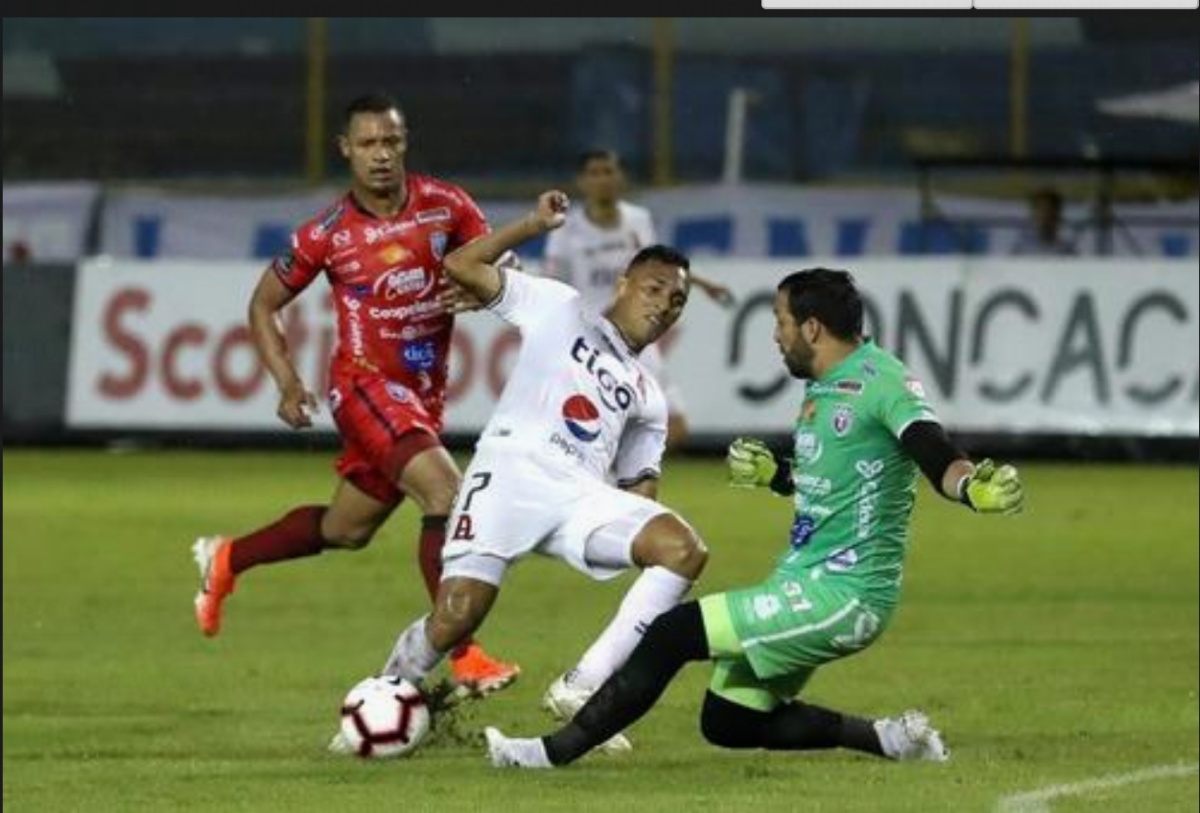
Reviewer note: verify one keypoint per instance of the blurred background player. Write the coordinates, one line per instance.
(381, 247)
(1044, 236)
(595, 246)
(578, 408)
(864, 429)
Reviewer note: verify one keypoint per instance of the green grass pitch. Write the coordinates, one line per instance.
(1054, 648)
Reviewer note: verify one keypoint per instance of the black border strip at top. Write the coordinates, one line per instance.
(540, 9)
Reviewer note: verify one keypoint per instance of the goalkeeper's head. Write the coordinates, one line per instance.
(818, 320)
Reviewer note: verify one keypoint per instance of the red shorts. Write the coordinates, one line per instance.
(383, 426)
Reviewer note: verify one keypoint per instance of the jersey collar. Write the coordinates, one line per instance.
(845, 363)
(614, 338)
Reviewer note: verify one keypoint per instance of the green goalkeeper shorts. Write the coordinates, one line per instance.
(767, 640)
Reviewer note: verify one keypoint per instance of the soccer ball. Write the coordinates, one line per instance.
(384, 717)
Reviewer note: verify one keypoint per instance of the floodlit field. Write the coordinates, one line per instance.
(1052, 649)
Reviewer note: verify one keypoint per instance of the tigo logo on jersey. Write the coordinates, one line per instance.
(420, 356)
(582, 418)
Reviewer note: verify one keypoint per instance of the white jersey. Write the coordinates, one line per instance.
(577, 400)
(590, 258)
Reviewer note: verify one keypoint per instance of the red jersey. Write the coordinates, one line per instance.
(385, 274)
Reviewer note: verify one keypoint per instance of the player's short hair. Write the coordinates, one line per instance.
(377, 102)
(828, 295)
(588, 156)
(660, 254)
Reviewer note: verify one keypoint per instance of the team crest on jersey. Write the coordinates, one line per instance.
(843, 419)
(437, 244)
(582, 418)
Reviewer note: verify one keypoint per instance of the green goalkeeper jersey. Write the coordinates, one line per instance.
(855, 485)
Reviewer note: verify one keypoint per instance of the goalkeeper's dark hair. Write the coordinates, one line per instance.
(828, 295)
(377, 102)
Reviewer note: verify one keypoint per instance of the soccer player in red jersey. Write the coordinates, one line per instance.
(381, 248)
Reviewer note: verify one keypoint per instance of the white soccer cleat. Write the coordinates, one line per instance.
(911, 737)
(510, 752)
(564, 700)
(340, 745)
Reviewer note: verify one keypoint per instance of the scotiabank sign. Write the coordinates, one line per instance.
(1037, 346)
(167, 346)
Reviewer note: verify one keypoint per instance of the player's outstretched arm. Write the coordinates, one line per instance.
(295, 401)
(715, 291)
(985, 488)
(473, 266)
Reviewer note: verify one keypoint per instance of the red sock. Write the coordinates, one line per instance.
(429, 553)
(297, 534)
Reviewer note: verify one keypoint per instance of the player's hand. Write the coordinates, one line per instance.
(455, 299)
(719, 294)
(751, 464)
(552, 210)
(995, 489)
(296, 406)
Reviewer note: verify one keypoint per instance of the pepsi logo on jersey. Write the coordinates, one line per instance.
(582, 418)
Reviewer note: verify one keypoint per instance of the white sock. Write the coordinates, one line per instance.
(412, 657)
(656, 591)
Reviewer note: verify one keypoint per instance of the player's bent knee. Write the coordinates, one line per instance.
(440, 501)
(348, 538)
(725, 724)
(681, 552)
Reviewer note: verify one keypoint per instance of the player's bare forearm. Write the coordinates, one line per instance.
(270, 297)
(473, 266)
(955, 472)
(714, 290)
(296, 404)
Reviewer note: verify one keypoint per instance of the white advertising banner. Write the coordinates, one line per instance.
(716, 220)
(48, 222)
(1039, 346)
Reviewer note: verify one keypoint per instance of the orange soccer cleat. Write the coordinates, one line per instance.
(216, 581)
(479, 674)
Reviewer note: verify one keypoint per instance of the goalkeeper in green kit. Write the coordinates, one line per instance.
(862, 432)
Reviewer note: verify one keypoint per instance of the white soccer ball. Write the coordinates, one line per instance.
(384, 717)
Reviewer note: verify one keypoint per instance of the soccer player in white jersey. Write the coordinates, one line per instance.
(593, 248)
(578, 407)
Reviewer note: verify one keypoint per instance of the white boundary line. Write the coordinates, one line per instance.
(1038, 800)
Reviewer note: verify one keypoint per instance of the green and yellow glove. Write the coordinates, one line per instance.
(992, 489)
(751, 464)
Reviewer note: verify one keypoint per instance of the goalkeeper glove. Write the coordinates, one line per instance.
(751, 464)
(992, 490)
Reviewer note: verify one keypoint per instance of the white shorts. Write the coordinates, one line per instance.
(654, 362)
(510, 506)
